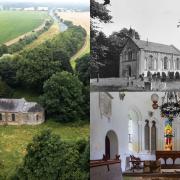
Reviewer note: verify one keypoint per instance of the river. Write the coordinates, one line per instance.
(62, 27)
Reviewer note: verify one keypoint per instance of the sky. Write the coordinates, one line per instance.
(51, 1)
(155, 20)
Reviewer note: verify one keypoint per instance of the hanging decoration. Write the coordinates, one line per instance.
(170, 109)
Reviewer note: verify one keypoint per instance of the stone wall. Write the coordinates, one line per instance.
(22, 118)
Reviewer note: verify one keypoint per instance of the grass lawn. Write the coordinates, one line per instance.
(14, 139)
(16, 23)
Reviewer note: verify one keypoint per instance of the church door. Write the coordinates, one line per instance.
(107, 147)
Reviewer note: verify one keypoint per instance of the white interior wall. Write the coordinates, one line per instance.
(139, 104)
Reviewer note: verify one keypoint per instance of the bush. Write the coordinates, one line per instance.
(154, 76)
(158, 75)
(63, 97)
(149, 74)
(49, 158)
(163, 79)
(177, 75)
(5, 90)
(171, 75)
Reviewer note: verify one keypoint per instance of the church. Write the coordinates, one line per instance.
(139, 124)
(138, 57)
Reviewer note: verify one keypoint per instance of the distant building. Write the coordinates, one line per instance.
(15, 9)
(1, 7)
(29, 9)
(19, 111)
(42, 8)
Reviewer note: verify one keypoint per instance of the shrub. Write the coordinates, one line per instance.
(158, 75)
(48, 157)
(163, 79)
(171, 75)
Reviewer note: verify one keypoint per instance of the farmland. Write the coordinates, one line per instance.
(17, 23)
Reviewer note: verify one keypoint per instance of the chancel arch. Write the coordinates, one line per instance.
(111, 145)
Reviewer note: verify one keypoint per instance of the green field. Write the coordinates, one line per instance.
(16, 23)
(14, 139)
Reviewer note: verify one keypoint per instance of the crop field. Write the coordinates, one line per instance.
(14, 140)
(17, 23)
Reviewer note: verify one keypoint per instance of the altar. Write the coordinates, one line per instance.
(167, 154)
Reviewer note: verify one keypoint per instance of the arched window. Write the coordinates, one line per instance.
(130, 133)
(177, 64)
(150, 63)
(0, 117)
(165, 63)
(129, 55)
(146, 136)
(13, 117)
(37, 117)
(153, 136)
(146, 63)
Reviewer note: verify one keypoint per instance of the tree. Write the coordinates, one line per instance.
(3, 49)
(83, 69)
(48, 157)
(63, 97)
(5, 90)
(8, 69)
(98, 49)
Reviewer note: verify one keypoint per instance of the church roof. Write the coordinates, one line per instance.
(19, 105)
(156, 47)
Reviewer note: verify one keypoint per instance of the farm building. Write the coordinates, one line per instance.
(19, 111)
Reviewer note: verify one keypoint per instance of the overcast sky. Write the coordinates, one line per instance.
(51, 1)
(154, 19)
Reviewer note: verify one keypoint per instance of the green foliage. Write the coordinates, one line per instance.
(3, 49)
(83, 69)
(14, 140)
(50, 158)
(8, 69)
(5, 90)
(63, 96)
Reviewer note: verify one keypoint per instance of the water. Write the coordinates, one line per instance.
(62, 27)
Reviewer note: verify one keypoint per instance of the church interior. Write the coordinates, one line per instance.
(135, 134)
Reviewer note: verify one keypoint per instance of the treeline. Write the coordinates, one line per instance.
(46, 69)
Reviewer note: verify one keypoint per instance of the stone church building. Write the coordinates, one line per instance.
(19, 111)
(139, 57)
